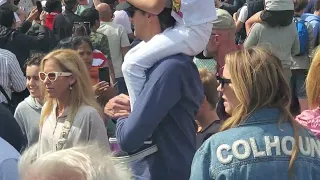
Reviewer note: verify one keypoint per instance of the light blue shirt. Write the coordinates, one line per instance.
(8, 161)
(9, 170)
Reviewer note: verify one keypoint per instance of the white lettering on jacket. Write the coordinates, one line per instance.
(271, 146)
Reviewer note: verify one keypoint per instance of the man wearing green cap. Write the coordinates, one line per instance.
(222, 40)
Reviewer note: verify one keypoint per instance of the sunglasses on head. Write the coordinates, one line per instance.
(52, 76)
(223, 81)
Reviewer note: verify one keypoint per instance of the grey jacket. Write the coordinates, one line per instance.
(28, 116)
(282, 41)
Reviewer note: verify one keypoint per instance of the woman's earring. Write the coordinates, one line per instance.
(70, 87)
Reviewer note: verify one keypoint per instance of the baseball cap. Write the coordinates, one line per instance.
(279, 5)
(224, 20)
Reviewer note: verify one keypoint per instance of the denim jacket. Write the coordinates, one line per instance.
(258, 149)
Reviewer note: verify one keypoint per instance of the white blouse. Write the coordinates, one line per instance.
(87, 127)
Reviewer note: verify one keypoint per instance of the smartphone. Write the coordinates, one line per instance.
(104, 74)
(39, 7)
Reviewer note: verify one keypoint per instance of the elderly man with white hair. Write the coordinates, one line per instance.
(85, 162)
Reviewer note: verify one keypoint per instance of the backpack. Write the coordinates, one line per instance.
(316, 32)
(303, 35)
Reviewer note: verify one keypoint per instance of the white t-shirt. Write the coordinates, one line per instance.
(122, 18)
(117, 38)
(243, 15)
(193, 12)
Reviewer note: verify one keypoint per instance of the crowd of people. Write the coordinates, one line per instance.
(159, 89)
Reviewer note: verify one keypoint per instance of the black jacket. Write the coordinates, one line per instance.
(232, 8)
(20, 44)
(10, 130)
(63, 24)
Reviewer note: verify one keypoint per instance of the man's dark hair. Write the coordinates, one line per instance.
(300, 5)
(317, 5)
(53, 6)
(70, 4)
(16, 2)
(6, 17)
(165, 19)
(35, 59)
(90, 15)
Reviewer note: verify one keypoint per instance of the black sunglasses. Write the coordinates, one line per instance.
(223, 81)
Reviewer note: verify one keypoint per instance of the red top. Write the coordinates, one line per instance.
(99, 60)
(50, 18)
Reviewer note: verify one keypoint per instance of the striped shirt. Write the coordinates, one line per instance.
(11, 75)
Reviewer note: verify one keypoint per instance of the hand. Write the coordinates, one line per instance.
(33, 15)
(118, 106)
(43, 15)
(235, 16)
(100, 88)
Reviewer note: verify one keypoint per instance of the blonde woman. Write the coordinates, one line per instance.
(70, 114)
(311, 118)
(260, 140)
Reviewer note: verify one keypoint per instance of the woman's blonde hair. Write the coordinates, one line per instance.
(81, 93)
(313, 81)
(258, 81)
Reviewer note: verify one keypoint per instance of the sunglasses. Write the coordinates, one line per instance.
(52, 76)
(223, 81)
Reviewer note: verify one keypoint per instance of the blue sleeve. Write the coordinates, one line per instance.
(158, 96)
(9, 170)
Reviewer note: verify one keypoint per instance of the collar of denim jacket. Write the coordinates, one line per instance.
(263, 116)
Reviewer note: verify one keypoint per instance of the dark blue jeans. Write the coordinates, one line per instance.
(122, 88)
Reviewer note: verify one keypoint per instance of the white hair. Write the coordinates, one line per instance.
(90, 162)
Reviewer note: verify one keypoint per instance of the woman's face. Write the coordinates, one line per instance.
(59, 88)
(33, 81)
(230, 99)
(85, 52)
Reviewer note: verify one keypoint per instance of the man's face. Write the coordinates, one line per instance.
(213, 43)
(139, 21)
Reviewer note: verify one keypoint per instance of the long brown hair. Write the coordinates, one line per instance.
(258, 81)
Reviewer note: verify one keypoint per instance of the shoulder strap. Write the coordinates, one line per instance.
(64, 134)
(5, 94)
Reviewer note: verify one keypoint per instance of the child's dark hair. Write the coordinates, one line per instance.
(35, 59)
(77, 41)
(300, 5)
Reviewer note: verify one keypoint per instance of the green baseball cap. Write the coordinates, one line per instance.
(224, 20)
